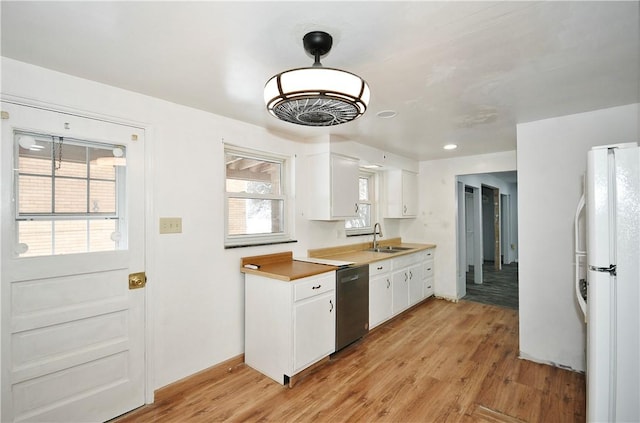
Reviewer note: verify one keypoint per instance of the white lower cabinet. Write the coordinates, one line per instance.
(289, 325)
(397, 284)
(428, 273)
(380, 293)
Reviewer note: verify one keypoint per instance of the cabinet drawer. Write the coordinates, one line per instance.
(315, 285)
(379, 267)
(428, 287)
(406, 260)
(428, 269)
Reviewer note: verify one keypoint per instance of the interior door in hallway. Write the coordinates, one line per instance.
(72, 233)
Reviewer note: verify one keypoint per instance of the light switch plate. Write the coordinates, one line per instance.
(170, 225)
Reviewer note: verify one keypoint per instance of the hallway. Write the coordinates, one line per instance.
(499, 287)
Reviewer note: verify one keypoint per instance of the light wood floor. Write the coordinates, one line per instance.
(439, 362)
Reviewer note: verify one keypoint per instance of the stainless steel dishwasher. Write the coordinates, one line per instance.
(352, 304)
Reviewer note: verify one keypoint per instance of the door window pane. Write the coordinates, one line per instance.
(34, 194)
(102, 198)
(68, 195)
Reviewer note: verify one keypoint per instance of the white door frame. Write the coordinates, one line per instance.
(477, 236)
(149, 219)
(461, 280)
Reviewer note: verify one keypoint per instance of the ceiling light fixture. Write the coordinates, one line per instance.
(450, 147)
(316, 96)
(387, 114)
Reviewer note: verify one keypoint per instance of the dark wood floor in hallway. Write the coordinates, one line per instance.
(499, 287)
(438, 362)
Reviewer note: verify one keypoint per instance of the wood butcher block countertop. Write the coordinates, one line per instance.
(282, 266)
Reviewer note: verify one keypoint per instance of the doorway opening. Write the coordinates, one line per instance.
(487, 238)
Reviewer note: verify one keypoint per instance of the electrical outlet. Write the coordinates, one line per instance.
(170, 225)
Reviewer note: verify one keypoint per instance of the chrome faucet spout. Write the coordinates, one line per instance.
(379, 232)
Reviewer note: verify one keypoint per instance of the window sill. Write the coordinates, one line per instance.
(227, 247)
(361, 234)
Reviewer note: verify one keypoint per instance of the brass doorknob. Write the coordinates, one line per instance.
(137, 280)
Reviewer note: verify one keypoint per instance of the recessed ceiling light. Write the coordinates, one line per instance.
(387, 114)
(372, 166)
(450, 147)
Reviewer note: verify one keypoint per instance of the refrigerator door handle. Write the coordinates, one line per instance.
(580, 257)
(611, 269)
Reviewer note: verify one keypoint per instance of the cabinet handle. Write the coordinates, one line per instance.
(379, 267)
(428, 268)
(405, 208)
(316, 287)
(331, 304)
(356, 207)
(410, 275)
(405, 276)
(388, 283)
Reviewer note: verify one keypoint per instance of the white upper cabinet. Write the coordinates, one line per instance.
(401, 189)
(333, 187)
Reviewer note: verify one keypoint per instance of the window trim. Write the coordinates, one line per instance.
(372, 176)
(286, 163)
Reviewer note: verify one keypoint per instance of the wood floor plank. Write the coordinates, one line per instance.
(438, 362)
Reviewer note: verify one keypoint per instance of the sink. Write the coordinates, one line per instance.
(389, 249)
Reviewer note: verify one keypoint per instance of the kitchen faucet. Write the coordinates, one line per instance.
(375, 241)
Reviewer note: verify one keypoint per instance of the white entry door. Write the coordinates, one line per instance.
(72, 330)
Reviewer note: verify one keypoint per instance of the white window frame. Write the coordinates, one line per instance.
(372, 202)
(235, 241)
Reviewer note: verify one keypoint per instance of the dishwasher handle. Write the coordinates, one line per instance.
(352, 278)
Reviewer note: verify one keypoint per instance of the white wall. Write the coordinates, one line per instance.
(438, 210)
(195, 290)
(551, 163)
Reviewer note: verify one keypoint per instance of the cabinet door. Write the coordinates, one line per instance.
(314, 330)
(416, 284)
(344, 186)
(380, 299)
(400, 284)
(409, 194)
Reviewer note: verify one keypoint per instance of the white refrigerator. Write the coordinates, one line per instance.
(611, 267)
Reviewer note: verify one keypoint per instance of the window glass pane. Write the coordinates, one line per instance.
(34, 194)
(66, 196)
(363, 220)
(253, 176)
(99, 168)
(74, 159)
(102, 197)
(71, 236)
(70, 195)
(35, 160)
(364, 189)
(248, 216)
(38, 237)
(100, 235)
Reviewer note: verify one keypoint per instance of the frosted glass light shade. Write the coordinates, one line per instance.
(316, 96)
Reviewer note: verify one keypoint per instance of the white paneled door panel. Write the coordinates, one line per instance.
(72, 330)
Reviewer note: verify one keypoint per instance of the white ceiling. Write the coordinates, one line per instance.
(456, 72)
